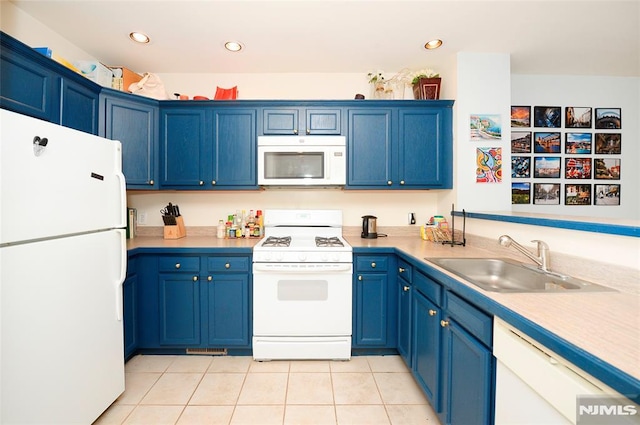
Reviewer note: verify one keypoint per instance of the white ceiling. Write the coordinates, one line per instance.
(542, 36)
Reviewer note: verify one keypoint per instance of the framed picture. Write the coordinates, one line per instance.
(485, 127)
(577, 168)
(521, 116)
(546, 142)
(546, 167)
(547, 116)
(520, 167)
(606, 168)
(577, 117)
(577, 194)
(520, 142)
(488, 165)
(608, 143)
(577, 143)
(608, 118)
(546, 194)
(520, 193)
(606, 194)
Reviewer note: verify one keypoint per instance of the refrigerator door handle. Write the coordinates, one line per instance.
(123, 274)
(123, 199)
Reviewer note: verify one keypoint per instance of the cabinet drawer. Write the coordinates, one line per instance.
(179, 264)
(427, 287)
(478, 323)
(372, 263)
(405, 271)
(228, 264)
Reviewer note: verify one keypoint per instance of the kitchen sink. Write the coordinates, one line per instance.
(505, 275)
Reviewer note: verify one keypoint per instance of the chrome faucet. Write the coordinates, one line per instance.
(542, 260)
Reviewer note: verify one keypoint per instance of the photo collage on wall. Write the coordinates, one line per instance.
(578, 164)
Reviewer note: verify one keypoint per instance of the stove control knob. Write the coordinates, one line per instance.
(302, 257)
(267, 256)
(324, 257)
(335, 258)
(279, 256)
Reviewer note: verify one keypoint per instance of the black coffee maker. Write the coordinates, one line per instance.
(369, 227)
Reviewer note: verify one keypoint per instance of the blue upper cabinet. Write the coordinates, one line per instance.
(80, 106)
(133, 121)
(208, 147)
(34, 85)
(301, 121)
(405, 147)
(234, 159)
(183, 153)
(425, 147)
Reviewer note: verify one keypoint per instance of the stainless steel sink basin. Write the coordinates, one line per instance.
(505, 275)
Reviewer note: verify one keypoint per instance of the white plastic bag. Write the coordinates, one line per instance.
(150, 86)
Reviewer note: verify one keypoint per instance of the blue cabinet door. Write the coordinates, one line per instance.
(369, 148)
(130, 315)
(426, 346)
(133, 121)
(467, 378)
(370, 324)
(80, 106)
(404, 321)
(183, 140)
(301, 121)
(179, 309)
(227, 297)
(425, 148)
(234, 148)
(27, 86)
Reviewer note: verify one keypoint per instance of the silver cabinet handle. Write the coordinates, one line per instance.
(201, 183)
(151, 182)
(389, 182)
(406, 288)
(177, 265)
(209, 278)
(373, 265)
(227, 266)
(401, 181)
(195, 278)
(213, 182)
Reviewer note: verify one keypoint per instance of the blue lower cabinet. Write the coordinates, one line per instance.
(228, 313)
(179, 309)
(427, 347)
(193, 301)
(467, 376)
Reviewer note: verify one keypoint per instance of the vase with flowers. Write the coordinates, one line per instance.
(426, 84)
(378, 84)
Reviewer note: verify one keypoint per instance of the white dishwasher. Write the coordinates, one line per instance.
(534, 385)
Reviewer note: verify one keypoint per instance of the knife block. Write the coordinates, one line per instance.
(176, 231)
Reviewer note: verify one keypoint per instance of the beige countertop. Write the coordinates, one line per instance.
(604, 324)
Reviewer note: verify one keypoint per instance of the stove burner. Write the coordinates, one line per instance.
(276, 241)
(328, 242)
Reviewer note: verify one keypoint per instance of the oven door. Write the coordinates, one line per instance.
(302, 301)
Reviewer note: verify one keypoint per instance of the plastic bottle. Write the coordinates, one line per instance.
(221, 230)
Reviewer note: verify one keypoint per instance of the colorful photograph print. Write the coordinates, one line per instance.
(546, 194)
(520, 193)
(488, 165)
(485, 127)
(577, 168)
(608, 118)
(608, 143)
(521, 116)
(520, 167)
(520, 142)
(546, 167)
(547, 116)
(546, 142)
(577, 194)
(577, 143)
(606, 169)
(606, 194)
(577, 117)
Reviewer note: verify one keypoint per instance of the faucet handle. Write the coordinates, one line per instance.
(541, 244)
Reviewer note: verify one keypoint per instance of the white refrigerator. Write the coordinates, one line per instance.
(63, 261)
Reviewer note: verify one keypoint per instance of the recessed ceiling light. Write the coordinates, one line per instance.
(233, 46)
(139, 37)
(433, 44)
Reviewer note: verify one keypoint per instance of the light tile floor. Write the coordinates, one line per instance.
(212, 390)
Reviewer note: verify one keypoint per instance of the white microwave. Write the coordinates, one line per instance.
(302, 160)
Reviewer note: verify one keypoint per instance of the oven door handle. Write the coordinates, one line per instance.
(302, 268)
